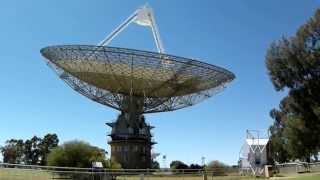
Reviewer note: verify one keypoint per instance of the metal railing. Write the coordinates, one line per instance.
(297, 167)
(31, 172)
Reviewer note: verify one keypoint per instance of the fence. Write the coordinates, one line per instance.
(30, 172)
(301, 167)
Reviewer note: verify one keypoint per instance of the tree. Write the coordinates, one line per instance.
(218, 168)
(49, 142)
(294, 65)
(75, 154)
(278, 142)
(195, 166)
(178, 165)
(31, 151)
(12, 152)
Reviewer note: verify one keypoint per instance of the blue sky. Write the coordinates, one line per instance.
(232, 34)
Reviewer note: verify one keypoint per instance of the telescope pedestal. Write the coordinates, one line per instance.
(131, 141)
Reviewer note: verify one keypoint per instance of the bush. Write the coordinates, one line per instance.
(75, 154)
(112, 164)
(178, 165)
(195, 166)
(217, 168)
(80, 154)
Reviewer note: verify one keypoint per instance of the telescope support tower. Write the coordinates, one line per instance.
(131, 141)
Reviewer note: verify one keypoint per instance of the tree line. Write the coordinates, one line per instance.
(215, 167)
(46, 151)
(181, 165)
(33, 151)
(293, 65)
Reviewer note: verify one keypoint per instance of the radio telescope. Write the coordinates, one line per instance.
(135, 82)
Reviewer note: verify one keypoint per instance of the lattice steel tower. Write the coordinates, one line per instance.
(135, 82)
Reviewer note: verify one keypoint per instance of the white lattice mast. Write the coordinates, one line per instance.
(143, 16)
(254, 153)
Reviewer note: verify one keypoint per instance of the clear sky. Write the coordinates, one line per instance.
(233, 34)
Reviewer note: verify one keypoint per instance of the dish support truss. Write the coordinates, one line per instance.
(254, 153)
(143, 16)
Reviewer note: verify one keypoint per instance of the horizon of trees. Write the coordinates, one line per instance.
(177, 164)
(47, 151)
(33, 151)
(217, 168)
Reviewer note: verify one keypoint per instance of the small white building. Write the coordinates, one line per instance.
(254, 154)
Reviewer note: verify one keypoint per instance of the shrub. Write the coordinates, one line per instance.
(217, 168)
(75, 154)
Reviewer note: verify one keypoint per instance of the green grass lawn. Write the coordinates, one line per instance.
(19, 174)
(185, 178)
(306, 176)
(309, 176)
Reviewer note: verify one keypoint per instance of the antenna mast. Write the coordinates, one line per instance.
(143, 16)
